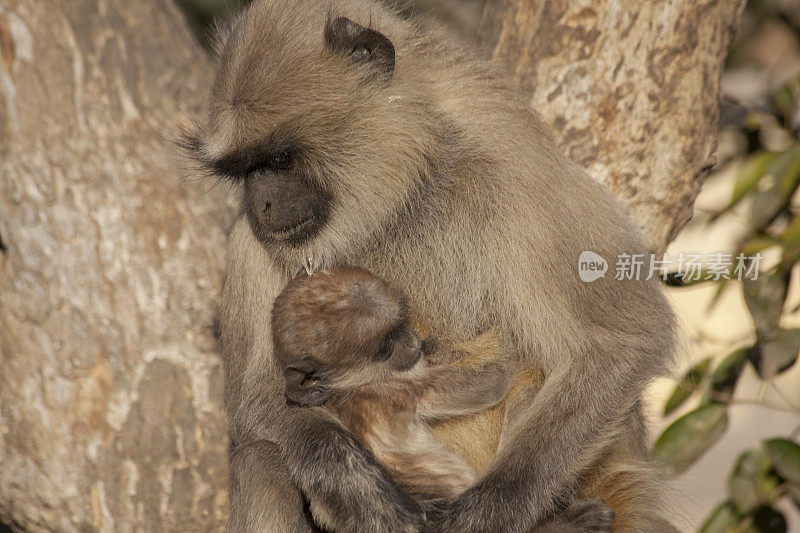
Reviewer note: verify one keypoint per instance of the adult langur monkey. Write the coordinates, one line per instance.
(358, 139)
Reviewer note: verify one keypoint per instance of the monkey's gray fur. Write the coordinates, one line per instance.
(360, 140)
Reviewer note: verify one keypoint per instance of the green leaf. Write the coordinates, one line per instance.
(674, 279)
(690, 436)
(764, 297)
(791, 236)
(758, 243)
(785, 172)
(772, 357)
(726, 375)
(752, 483)
(783, 101)
(766, 206)
(789, 258)
(754, 169)
(785, 457)
(688, 385)
(724, 519)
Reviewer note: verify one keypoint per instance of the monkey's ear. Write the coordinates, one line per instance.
(362, 46)
(303, 384)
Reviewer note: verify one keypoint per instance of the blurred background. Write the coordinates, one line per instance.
(726, 427)
(739, 400)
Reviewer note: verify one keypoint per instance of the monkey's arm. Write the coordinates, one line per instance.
(454, 390)
(549, 438)
(611, 339)
(309, 450)
(347, 489)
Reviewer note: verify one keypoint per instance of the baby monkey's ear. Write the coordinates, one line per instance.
(362, 46)
(304, 385)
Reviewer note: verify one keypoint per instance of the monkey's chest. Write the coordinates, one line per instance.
(446, 297)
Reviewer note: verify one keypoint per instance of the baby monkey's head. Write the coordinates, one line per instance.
(340, 329)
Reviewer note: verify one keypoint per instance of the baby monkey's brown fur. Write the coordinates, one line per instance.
(343, 340)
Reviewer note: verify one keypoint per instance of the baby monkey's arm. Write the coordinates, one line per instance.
(479, 379)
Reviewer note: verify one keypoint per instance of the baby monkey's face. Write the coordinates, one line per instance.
(400, 350)
(340, 329)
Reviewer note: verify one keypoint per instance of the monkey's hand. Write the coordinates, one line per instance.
(584, 516)
(347, 489)
(435, 511)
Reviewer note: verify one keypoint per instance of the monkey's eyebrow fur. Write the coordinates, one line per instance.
(192, 146)
(235, 164)
(243, 160)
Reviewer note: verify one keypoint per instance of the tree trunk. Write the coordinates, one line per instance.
(631, 90)
(111, 411)
(110, 264)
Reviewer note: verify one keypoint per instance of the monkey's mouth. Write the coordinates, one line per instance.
(302, 229)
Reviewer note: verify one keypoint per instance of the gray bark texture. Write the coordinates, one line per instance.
(111, 260)
(631, 90)
(111, 411)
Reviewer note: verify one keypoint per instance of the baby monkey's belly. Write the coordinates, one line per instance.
(476, 437)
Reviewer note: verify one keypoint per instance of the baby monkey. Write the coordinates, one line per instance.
(343, 340)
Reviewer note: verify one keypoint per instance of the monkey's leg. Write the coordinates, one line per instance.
(627, 480)
(582, 516)
(263, 497)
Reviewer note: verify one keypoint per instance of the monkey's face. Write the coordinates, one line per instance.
(313, 380)
(310, 116)
(400, 350)
(283, 203)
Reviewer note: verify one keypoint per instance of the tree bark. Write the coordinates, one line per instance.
(631, 90)
(111, 412)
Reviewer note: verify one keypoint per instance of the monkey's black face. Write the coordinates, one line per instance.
(283, 203)
(309, 381)
(290, 119)
(401, 349)
(285, 208)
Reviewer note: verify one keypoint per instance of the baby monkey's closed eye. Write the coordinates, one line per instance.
(385, 350)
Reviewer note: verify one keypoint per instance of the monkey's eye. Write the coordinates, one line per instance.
(281, 161)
